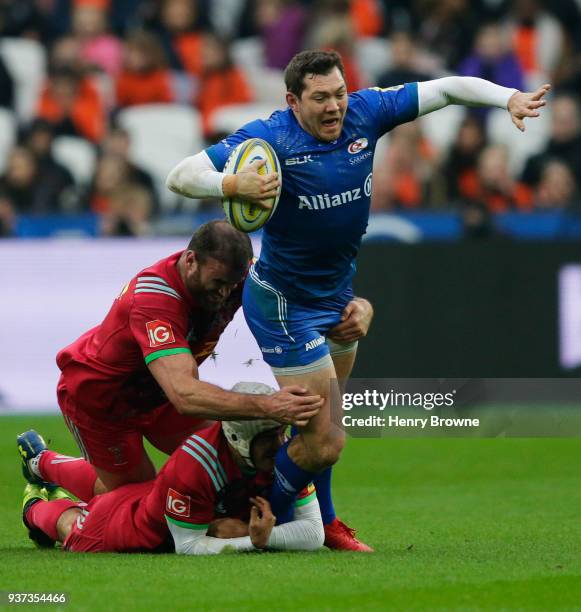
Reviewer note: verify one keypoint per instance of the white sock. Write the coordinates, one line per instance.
(34, 464)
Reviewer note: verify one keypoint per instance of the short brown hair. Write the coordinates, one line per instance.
(220, 241)
(310, 62)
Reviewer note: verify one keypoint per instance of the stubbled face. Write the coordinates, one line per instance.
(210, 283)
(264, 447)
(321, 108)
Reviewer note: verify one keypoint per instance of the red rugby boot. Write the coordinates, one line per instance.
(340, 537)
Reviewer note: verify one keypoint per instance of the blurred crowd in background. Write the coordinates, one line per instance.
(99, 98)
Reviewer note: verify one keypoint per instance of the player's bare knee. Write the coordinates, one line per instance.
(326, 453)
(66, 521)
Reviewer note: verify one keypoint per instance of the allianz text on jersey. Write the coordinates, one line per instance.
(321, 201)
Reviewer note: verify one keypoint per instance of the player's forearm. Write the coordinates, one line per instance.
(206, 401)
(194, 542)
(207, 545)
(197, 177)
(297, 535)
(306, 532)
(468, 91)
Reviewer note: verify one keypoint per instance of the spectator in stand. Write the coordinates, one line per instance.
(111, 174)
(478, 223)
(557, 188)
(72, 105)
(145, 78)
(493, 59)
(222, 82)
(20, 18)
(333, 30)
(6, 87)
(130, 212)
(281, 24)
(496, 187)
(178, 25)
(460, 167)
(366, 17)
(404, 66)
(565, 140)
(447, 28)
(25, 189)
(99, 49)
(117, 143)
(7, 217)
(408, 177)
(55, 178)
(537, 39)
(66, 53)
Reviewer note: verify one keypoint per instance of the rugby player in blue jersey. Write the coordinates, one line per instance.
(299, 288)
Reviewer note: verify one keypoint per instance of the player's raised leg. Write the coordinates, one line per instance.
(49, 469)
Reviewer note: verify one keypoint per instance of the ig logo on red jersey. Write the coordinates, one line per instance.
(177, 503)
(159, 333)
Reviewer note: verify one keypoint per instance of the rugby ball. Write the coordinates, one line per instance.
(245, 216)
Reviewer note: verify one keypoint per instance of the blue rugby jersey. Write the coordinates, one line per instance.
(310, 243)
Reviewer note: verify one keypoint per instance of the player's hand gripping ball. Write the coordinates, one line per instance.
(246, 216)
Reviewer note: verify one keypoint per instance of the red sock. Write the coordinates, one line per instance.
(45, 515)
(72, 473)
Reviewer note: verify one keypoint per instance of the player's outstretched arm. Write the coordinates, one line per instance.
(197, 177)
(177, 376)
(305, 533)
(472, 91)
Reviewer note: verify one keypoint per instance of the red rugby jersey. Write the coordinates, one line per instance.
(105, 370)
(199, 483)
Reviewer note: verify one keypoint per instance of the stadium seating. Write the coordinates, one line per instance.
(26, 61)
(520, 146)
(267, 85)
(76, 154)
(249, 52)
(441, 128)
(7, 134)
(161, 136)
(227, 119)
(373, 57)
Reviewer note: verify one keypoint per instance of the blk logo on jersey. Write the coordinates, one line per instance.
(357, 145)
(177, 504)
(296, 161)
(159, 333)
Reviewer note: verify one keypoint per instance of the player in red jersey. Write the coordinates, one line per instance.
(221, 471)
(135, 374)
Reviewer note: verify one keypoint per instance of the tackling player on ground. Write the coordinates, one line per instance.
(206, 498)
(297, 291)
(135, 374)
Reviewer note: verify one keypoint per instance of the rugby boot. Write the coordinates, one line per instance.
(34, 493)
(30, 445)
(339, 536)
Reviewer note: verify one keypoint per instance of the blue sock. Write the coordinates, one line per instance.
(289, 480)
(322, 484)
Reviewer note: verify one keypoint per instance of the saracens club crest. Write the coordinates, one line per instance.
(357, 145)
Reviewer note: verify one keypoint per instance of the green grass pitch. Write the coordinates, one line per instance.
(457, 524)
